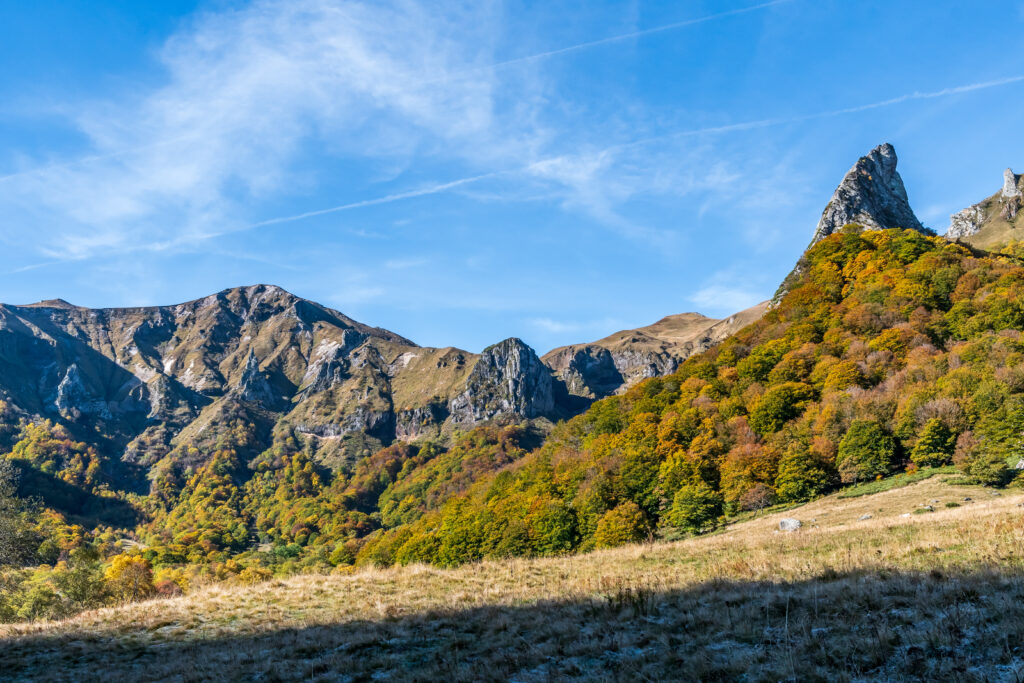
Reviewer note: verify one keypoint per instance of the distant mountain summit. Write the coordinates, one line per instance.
(613, 364)
(151, 380)
(872, 195)
(992, 221)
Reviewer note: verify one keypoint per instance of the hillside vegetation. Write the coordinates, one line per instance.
(892, 351)
(898, 596)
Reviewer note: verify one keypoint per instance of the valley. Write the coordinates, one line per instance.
(254, 484)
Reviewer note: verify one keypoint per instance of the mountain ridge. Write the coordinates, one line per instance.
(153, 382)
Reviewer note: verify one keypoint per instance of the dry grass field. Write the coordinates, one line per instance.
(902, 595)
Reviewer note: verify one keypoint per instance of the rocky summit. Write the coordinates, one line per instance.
(872, 195)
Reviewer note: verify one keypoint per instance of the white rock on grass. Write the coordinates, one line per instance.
(789, 524)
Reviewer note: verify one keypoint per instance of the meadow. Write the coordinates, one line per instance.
(924, 581)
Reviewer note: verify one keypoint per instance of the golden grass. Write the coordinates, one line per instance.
(936, 595)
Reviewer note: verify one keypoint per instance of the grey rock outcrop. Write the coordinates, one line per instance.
(1010, 188)
(872, 195)
(992, 221)
(509, 379)
(253, 386)
(789, 524)
(589, 371)
(966, 222)
(73, 398)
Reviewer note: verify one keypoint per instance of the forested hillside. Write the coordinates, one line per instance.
(892, 351)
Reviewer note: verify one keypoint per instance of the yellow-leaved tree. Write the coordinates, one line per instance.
(130, 577)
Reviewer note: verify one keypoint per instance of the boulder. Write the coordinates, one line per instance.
(789, 524)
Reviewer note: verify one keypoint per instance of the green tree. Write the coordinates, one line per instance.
(626, 523)
(695, 507)
(779, 405)
(18, 540)
(865, 452)
(988, 467)
(553, 528)
(935, 445)
(802, 476)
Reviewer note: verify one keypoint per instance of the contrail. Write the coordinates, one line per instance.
(448, 77)
(711, 130)
(636, 34)
(778, 121)
(432, 189)
(95, 157)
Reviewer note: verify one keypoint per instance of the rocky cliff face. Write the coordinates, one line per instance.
(993, 221)
(508, 378)
(872, 195)
(966, 222)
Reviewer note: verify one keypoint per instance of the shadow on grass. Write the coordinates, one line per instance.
(891, 626)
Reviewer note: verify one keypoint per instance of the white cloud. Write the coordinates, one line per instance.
(249, 90)
(731, 290)
(246, 91)
(555, 326)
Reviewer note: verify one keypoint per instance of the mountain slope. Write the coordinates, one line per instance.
(993, 221)
(149, 380)
(613, 364)
(892, 350)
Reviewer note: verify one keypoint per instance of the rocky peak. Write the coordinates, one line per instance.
(1010, 188)
(872, 195)
(509, 379)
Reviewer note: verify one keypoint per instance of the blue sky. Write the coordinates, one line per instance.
(464, 172)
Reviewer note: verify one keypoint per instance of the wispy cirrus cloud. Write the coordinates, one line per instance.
(249, 90)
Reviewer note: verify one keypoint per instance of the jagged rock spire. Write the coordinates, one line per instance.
(1004, 204)
(1010, 188)
(872, 195)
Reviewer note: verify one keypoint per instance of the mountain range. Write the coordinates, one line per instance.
(146, 380)
(148, 383)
